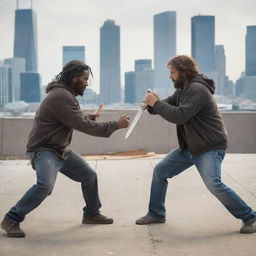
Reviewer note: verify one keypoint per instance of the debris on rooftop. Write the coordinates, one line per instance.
(128, 154)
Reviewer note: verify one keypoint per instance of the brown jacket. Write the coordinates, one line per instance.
(195, 113)
(58, 114)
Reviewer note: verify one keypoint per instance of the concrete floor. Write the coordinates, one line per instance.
(197, 224)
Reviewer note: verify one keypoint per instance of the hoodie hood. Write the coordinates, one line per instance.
(54, 85)
(202, 79)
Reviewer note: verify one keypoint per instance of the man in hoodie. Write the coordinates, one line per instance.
(57, 116)
(202, 142)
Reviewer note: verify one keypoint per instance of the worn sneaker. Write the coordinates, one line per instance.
(97, 219)
(12, 228)
(145, 220)
(249, 226)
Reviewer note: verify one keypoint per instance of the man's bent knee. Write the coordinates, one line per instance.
(45, 189)
(216, 187)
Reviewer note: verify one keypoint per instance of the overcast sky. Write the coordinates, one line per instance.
(77, 22)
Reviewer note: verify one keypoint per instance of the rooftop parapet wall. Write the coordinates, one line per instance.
(151, 133)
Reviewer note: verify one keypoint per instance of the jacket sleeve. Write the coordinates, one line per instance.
(67, 111)
(193, 101)
(170, 100)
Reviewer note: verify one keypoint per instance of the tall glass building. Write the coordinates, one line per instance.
(73, 53)
(25, 38)
(17, 66)
(144, 78)
(220, 63)
(249, 80)
(30, 90)
(250, 59)
(203, 42)
(5, 82)
(164, 50)
(137, 82)
(129, 87)
(110, 77)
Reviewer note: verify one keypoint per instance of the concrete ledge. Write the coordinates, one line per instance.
(151, 133)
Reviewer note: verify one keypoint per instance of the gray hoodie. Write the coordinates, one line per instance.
(58, 114)
(195, 113)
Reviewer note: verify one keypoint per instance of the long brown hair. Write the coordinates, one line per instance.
(72, 69)
(185, 65)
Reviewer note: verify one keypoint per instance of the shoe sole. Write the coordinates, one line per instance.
(153, 222)
(93, 222)
(247, 232)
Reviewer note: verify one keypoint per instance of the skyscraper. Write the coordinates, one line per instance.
(144, 78)
(30, 90)
(137, 82)
(220, 62)
(110, 79)
(164, 50)
(25, 38)
(250, 61)
(73, 53)
(17, 66)
(203, 42)
(5, 83)
(249, 80)
(129, 87)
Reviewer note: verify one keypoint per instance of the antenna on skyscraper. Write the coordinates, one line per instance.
(17, 4)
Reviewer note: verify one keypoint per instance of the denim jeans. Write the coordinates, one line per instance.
(47, 165)
(209, 167)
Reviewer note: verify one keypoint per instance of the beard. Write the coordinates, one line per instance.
(79, 88)
(180, 82)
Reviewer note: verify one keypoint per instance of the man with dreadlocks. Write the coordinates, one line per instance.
(57, 116)
(202, 140)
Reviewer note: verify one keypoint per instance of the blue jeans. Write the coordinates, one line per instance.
(209, 166)
(47, 165)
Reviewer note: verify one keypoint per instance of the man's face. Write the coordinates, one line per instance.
(81, 82)
(176, 77)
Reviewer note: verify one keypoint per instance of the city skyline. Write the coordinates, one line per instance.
(137, 34)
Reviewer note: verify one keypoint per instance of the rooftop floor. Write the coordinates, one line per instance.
(197, 224)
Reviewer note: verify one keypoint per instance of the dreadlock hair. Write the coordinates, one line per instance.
(72, 69)
(185, 65)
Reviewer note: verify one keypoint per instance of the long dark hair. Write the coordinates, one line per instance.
(72, 69)
(185, 65)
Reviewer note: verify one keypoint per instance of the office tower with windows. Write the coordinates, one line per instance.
(144, 78)
(17, 66)
(249, 81)
(137, 82)
(25, 38)
(164, 50)
(73, 53)
(110, 77)
(30, 90)
(220, 62)
(203, 42)
(5, 85)
(250, 51)
(129, 87)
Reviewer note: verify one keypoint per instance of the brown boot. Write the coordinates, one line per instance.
(98, 219)
(12, 228)
(146, 220)
(249, 226)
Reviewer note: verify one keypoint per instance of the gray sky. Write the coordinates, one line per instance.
(77, 22)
